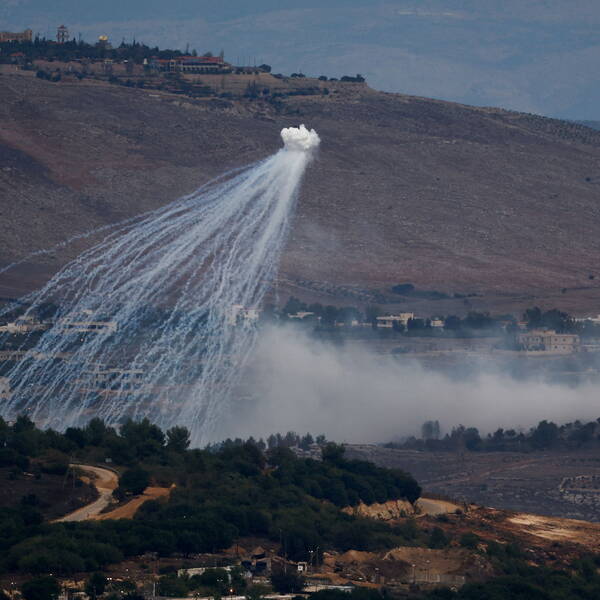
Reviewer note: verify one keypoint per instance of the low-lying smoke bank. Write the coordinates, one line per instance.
(353, 395)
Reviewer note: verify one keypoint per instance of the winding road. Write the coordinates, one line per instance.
(105, 481)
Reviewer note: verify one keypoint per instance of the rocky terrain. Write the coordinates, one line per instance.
(448, 197)
(559, 484)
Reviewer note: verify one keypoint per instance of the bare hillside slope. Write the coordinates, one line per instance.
(448, 197)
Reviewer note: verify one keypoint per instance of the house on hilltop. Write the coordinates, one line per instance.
(22, 36)
(191, 64)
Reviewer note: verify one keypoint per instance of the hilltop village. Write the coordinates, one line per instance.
(137, 65)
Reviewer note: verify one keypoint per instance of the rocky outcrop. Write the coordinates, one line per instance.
(385, 511)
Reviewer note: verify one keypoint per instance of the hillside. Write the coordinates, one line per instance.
(446, 196)
(255, 512)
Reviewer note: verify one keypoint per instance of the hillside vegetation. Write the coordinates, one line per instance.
(221, 494)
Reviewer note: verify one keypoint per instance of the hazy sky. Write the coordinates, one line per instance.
(531, 55)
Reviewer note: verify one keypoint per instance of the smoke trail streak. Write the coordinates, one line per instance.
(169, 279)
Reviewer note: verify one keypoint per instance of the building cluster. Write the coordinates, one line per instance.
(23, 325)
(548, 341)
(402, 319)
(85, 322)
(390, 321)
(112, 378)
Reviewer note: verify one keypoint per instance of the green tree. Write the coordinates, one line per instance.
(96, 432)
(438, 539)
(95, 585)
(333, 453)
(178, 439)
(134, 481)
(172, 586)
(545, 435)
(256, 592)
(41, 588)
(287, 583)
(469, 540)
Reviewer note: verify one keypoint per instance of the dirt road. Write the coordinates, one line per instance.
(105, 482)
(127, 511)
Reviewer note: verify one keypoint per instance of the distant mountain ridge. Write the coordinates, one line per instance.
(592, 124)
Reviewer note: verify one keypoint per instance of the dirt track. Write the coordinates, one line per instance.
(127, 511)
(105, 482)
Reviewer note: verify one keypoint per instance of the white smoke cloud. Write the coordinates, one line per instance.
(353, 395)
(300, 139)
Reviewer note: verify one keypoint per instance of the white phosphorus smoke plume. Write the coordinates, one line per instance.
(150, 321)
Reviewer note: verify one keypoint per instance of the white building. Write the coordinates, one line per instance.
(595, 320)
(389, 320)
(239, 314)
(301, 314)
(24, 324)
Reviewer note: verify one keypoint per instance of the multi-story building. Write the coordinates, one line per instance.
(543, 340)
(191, 64)
(86, 323)
(22, 36)
(104, 378)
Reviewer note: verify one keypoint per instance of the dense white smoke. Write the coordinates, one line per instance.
(169, 297)
(300, 139)
(353, 395)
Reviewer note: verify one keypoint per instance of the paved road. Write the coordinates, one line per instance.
(105, 481)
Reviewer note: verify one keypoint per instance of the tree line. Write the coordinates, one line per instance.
(42, 48)
(473, 323)
(546, 435)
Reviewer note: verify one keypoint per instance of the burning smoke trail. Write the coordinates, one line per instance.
(162, 290)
